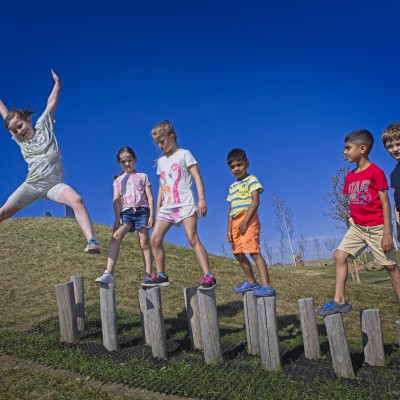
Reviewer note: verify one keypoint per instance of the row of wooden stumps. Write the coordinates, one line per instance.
(260, 320)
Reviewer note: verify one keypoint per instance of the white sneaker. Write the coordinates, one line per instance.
(107, 277)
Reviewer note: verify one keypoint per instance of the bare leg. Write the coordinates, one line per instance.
(143, 236)
(7, 211)
(262, 268)
(115, 246)
(394, 273)
(246, 267)
(190, 225)
(157, 238)
(70, 198)
(340, 257)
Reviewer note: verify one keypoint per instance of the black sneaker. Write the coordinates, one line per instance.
(207, 283)
(157, 280)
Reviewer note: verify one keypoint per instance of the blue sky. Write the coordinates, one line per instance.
(285, 81)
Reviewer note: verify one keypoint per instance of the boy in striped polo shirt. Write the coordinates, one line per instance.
(243, 232)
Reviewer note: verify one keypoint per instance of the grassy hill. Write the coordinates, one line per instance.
(37, 253)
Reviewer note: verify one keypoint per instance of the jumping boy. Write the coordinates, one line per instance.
(243, 232)
(370, 219)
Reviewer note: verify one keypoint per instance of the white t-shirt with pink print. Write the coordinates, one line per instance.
(176, 179)
(132, 188)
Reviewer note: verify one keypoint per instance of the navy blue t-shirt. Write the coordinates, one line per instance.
(395, 184)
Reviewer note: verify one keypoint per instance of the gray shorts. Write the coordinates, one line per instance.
(27, 193)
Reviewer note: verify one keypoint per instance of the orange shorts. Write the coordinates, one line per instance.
(250, 241)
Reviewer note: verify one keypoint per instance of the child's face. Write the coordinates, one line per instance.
(166, 143)
(393, 147)
(22, 129)
(239, 169)
(353, 152)
(127, 162)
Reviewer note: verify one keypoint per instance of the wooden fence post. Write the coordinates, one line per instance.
(108, 316)
(209, 325)
(144, 320)
(309, 329)
(193, 316)
(268, 331)
(79, 293)
(67, 312)
(372, 337)
(158, 335)
(398, 330)
(338, 346)
(251, 322)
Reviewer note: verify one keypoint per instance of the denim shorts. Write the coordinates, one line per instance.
(137, 217)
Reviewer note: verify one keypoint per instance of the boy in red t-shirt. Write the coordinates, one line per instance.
(370, 219)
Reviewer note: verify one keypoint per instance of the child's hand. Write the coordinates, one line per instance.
(117, 224)
(229, 238)
(56, 78)
(202, 208)
(243, 227)
(387, 242)
(150, 222)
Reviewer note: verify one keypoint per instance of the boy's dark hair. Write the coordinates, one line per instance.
(236, 155)
(392, 132)
(361, 137)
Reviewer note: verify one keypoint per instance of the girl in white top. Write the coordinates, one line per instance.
(176, 203)
(133, 208)
(40, 150)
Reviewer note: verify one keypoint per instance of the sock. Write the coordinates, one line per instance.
(208, 275)
(162, 274)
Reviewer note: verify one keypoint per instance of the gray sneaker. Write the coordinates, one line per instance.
(93, 246)
(331, 307)
(107, 277)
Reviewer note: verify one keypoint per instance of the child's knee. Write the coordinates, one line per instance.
(340, 256)
(76, 201)
(391, 268)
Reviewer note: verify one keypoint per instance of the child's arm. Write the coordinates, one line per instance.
(255, 202)
(397, 216)
(52, 101)
(229, 238)
(201, 204)
(150, 199)
(117, 208)
(387, 240)
(3, 110)
(159, 196)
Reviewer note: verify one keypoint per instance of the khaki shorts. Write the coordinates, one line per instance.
(27, 193)
(249, 243)
(359, 237)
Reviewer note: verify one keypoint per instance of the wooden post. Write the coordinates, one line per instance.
(108, 316)
(338, 346)
(251, 322)
(268, 331)
(209, 325)
(79, 292)
(372, 337)
(66, 312)
(144, 320)
(398, 330)
(158, 335)
(193, 316)
(309, 329)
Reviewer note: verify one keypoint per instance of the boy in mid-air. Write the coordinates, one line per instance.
(243, 232)
(370, 219)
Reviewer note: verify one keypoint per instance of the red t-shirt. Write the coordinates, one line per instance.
(363, 191)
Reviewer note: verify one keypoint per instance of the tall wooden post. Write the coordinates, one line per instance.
(398, 330)
(338, 346)
(268, 331)
(309, 329)
(144, 320)
(108, 316)
(209, 325)
(372, 337)
(79, 293)
(251, 322)
(67, 312)
(193, 316)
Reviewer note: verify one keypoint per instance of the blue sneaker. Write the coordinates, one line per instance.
(265, 291)
(246, 287)
(93, 246)
(331, 307)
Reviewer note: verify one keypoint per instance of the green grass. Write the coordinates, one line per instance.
(38, 253)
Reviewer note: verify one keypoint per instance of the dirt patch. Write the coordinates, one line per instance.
(8, 362)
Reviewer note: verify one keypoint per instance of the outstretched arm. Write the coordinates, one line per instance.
(3, 110)
(54, 95)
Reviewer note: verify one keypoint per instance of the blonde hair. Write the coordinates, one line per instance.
(392, 132)
(164, 128)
